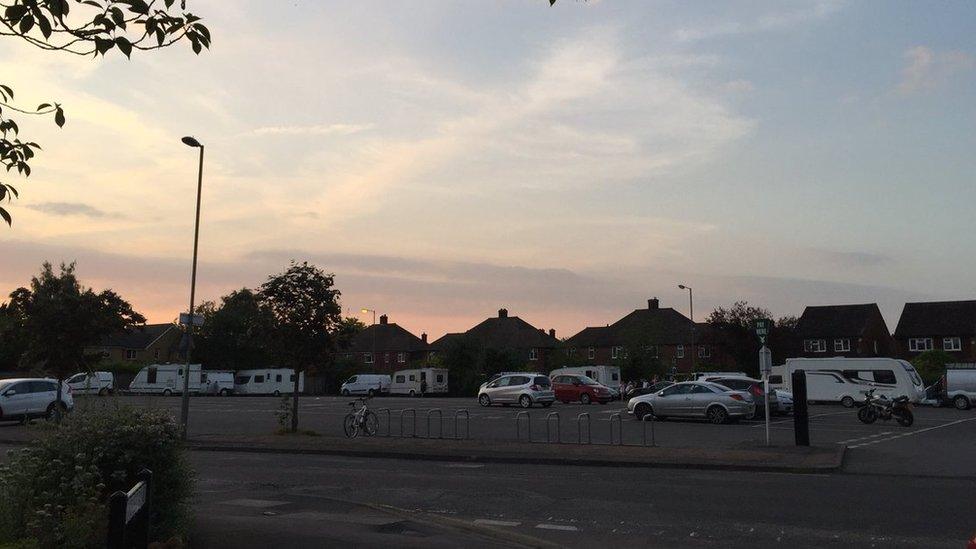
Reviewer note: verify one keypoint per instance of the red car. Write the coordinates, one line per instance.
(576, 388)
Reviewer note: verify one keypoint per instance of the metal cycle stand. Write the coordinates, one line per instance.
(413, 412)
(518, 425)
(579, 428)
(649, 418)
(551, 416)
(467, 424)
(620, 429)
(440, 422)
(387, 411)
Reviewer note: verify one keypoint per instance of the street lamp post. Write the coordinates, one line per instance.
(691, 313)
(364, 311)
(185, 407)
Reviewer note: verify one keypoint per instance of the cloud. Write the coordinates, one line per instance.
(926, 70)
(68, 208)
(775, 21)
(854, 259)
(319, 129)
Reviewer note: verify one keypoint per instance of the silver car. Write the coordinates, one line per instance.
(522, 389)
(23, 399)
(701, 399)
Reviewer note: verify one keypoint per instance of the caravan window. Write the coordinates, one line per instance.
(243, 380)
(400, 379)
(291, 378)
(151, 376)
(413, 377)
(258, 379)
(440, 378)
(278, 377)
(885, 376)
(833, 377)
(615, 376)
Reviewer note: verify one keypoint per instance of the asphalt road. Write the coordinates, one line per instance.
(941, 443)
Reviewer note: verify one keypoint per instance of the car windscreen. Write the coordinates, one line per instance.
(241, 380)
(588, 380)
(541, 381)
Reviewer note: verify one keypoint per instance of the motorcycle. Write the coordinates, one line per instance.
(880, 407)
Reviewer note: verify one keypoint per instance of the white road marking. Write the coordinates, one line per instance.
(910, 433)
(490, 522)
(258, 503)
(563, 527)
(790, 420)
(865, 438)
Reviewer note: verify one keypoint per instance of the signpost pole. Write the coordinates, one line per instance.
(765, 366)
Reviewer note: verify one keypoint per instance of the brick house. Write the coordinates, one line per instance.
(948, 326)
(509, 333)
(663, 333)
(150, 343)
(387, 347)
(843, 330)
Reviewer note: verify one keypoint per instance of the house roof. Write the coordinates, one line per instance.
(504, 332)
(442, 342)
(139, 337)
(838, 320)
(937, 318)
(659, 326)
(389, 337)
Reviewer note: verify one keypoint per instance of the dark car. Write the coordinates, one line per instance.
(653, 388)
(576, 388)
(755, 388)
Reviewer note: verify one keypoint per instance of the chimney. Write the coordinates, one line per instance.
(552, 332)
(502, 313)
(423, 337)
(653, 303)
(384, 319)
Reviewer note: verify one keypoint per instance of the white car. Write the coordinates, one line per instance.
(94, 383)
(25, 398)
(785, 399)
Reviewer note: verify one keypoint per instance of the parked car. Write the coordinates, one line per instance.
(653, 388)
(217, 382)
(960, 388)
(523, 389)
(578, 388)
(785, 399)
(92, 383)
(23, 399)
(608, 376)
(700, 399)
(752, 386)
(366, 384)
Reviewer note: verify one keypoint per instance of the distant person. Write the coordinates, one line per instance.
(423, 387)
(644, 384)
(654, 380)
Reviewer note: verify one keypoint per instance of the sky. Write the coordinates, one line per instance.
(449, 158)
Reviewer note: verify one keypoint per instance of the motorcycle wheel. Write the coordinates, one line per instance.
(867, 415)
(906, 418)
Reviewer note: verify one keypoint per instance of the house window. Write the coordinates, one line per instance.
(815, 345)
(842, 345)
(533, 354)
(130, 354)
(615, 352)
(679, 351)
(401, 357)
(704, 352)
(591, 353)
(156, 354)
(951, 344)
(572, 351)
(386, 358)
(919, 344)
(368, 358)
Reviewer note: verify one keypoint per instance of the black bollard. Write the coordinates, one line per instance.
(801, 420)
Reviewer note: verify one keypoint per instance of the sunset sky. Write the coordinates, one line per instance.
(446, 159)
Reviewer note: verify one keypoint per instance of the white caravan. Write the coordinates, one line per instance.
(844, 380)
(419, 381)
(608, 376)
(217, 382)
(268, 381)
(94, 383)
(165, 379)
(366, 384)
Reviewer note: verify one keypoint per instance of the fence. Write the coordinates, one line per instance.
(462, 418)
(128, 522)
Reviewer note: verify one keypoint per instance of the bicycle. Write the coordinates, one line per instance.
(364, 420)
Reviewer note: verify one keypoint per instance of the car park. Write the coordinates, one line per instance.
(524, 389)
(579, 388)
(752, 386)
(696, 399)
(25, 398)
(92, 383)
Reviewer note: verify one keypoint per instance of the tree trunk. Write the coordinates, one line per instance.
(294, 405)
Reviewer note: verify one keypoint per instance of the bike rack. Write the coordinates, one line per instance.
(553, 415)
(518, 425)
(440, 422)
(467, 424)
(413, 412)
(579, 428)
(387, 412)
(620, 429)
(649, 418)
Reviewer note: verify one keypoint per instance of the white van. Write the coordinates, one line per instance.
(94, 383)
(705, 375)
(217, 382)
(412, 382)
(268, 381)
(844, 380)
(608, 376)
(960, 387)
(366, 384)
(165, 379)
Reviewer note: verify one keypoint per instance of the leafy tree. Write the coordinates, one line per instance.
(61, 318)
(83, 27)
(11, 331)
(305, 311)
(235, 335)
(931, 365)
(346, 331)
(733, 329)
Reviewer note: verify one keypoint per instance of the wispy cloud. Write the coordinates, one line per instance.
(926, 69)
(68, 208)
(317, 129)
(775, 21)
(854, 259)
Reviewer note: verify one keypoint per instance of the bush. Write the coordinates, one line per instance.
(56, 490)
(931, 365)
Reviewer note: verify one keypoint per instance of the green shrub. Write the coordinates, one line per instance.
(56, 490)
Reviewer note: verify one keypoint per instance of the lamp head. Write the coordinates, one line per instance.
(682, 286)
(191, 141)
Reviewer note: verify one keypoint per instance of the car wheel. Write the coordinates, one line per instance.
(484, 400)
(584, 398)
(413, 393)
(717, 415)
(525, 401)
(370, 393)
(345, 392)
(847, 402)
(960, 402)
(642, 410)
(224, 392)
(103, 391)
(167, 392)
